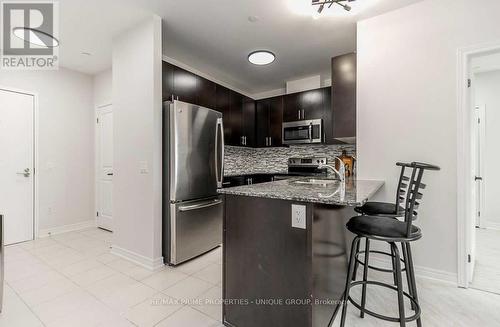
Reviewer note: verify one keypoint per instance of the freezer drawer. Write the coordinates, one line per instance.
(196, 227)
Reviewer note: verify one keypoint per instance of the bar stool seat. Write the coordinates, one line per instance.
(382, 227)
(379, 209)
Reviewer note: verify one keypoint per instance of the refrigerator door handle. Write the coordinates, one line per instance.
(200, 205)
(219, 161)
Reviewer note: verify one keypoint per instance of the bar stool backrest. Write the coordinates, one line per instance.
(414, 195)
(404, 178)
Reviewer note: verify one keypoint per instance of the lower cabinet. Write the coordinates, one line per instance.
(232, 181)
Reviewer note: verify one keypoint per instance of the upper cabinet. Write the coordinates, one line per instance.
(207, 93)
(269, 118)
(305, 105)
(343, 99)
(223, 105)
(259, 123)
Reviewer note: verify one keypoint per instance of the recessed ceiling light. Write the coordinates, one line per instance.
(261, 57)
(36, 37)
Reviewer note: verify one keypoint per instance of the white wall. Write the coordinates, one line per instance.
(137, 107)
(103, 88)
(65, 143)
(407, 107)
(487, 93)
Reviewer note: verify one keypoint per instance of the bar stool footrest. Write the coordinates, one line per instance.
(380, 316)
(378, 268)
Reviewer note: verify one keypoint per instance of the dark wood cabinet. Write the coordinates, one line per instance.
(185, 86)
(262, 122)
(235, 122)
(168, 81)
(259, 123)
(248, 121)
(269, 118)
(305, 105)
(179, 84)
(223, 105)
(292, 107)
(206, 93)
(343, 111)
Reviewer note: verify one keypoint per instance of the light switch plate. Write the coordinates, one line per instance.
(143, 167)
(299, 216)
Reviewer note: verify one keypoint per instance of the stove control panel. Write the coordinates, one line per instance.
(307, 162)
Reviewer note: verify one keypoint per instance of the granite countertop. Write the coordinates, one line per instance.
(355, 192)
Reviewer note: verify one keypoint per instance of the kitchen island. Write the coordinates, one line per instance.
(285, 249)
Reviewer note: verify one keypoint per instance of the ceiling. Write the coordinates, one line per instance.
(215, 37)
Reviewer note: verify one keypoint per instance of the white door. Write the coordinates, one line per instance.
(16, 165)
(105, 167)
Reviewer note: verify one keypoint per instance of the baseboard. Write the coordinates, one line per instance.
(421, 272)
(490, 224)
(66, 228)
(148, 263)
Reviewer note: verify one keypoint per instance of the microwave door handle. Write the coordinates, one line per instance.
(310, 132)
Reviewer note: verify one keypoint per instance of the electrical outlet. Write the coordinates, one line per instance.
(299, 216)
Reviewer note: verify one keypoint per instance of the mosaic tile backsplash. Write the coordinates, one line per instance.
(242, 161)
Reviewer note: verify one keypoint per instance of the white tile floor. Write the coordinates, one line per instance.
(72, 279)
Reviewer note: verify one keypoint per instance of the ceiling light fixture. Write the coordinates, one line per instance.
(36, 37)
(261, 57)
(330, 3)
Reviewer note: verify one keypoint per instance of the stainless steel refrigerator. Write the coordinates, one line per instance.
(193, 165)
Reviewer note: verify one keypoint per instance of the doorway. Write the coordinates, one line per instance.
(17, 163)
(486, 97)
(104, 173)
(478, 173)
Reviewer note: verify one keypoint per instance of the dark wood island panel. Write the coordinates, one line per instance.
(278, 275)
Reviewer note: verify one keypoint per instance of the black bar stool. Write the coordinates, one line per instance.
(386, 209)
(392, 231)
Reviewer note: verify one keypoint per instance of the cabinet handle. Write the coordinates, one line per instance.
(270, 141)
(299, 114)
(303, 114)
(244, 140)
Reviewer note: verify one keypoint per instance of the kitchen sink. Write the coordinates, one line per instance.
(316, 181)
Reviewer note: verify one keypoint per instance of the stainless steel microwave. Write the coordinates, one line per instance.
(303, 132)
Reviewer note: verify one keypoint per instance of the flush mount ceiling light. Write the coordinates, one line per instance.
(328, 3)
(261, 57)
(36, 37)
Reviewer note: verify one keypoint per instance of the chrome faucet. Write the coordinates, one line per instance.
(340, 172)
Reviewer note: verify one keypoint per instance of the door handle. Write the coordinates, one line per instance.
(478, 178)
(200, 206)
(25, 173)
(219, 161)
(109, 174)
